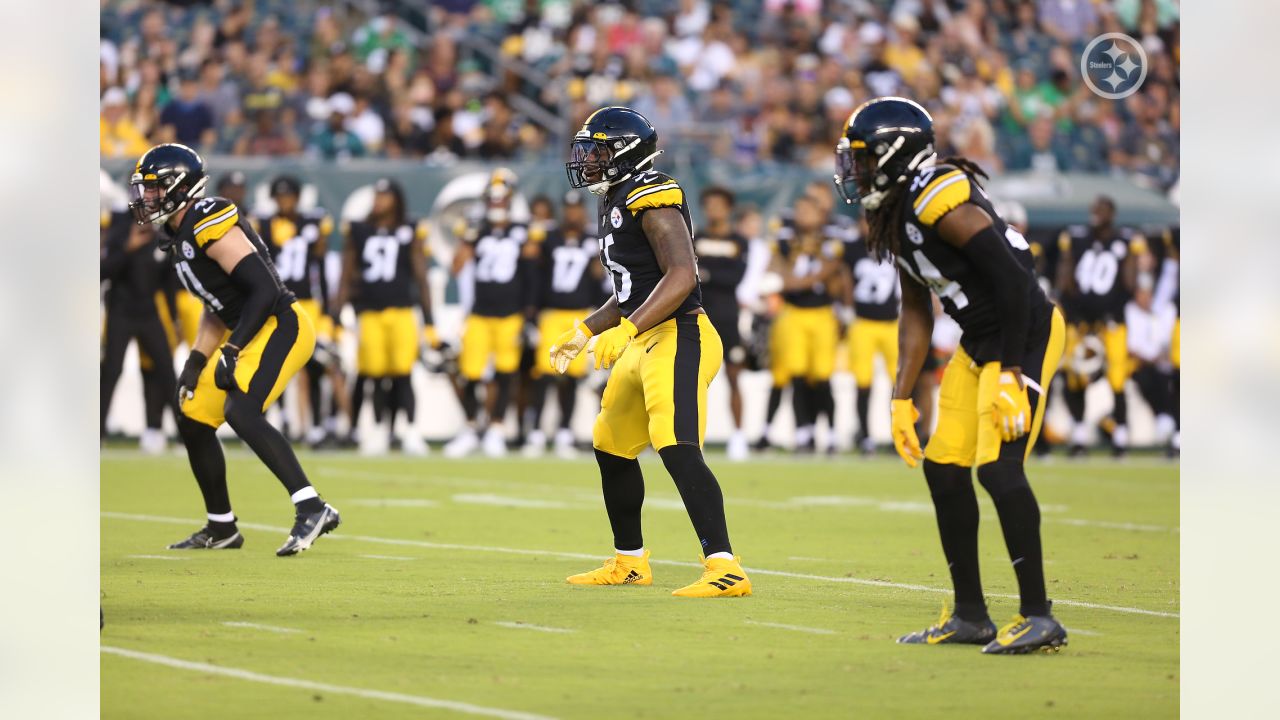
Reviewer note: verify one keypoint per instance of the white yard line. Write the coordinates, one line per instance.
(157, 557)
(392, 502)
(677, 563)
(794, 628)
(1086, 633)
(264, 628)
(250, 676)
(387, 557)
(526, 626)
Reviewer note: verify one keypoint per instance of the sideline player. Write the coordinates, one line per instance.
(661, 347)
(253, 332)
(874, 297)
(936, 221)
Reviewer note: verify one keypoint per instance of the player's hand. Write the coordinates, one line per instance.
(610, 344)
(568, 346)
(190, 375)
(903, 414)
(224, 375)
(430, 337)
(1012, 409)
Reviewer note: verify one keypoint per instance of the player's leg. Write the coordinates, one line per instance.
(861, 363)
(472, 362)
(549, 328)
(370, 363)
(682, 357)
(198, 420)
(404, 334)
(826, 335)
(620, 433)
(780, 377)
(506, 362)
(797, 353)
(1074, 391)
(159, 383)
(265, 366)
(1116, 341)
(116, 334)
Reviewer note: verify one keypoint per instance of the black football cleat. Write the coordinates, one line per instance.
(762, 445)
(307, 527)
(1042, 633)
(207, 539)
(952, 630)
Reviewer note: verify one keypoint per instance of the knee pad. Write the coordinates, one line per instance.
(944, 479)
(1002, 477)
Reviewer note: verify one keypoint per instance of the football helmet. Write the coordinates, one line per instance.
(613, 143)
(499, 194)
(885, 140)
(166, 178)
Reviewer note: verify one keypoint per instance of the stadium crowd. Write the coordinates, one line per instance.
(748, 82)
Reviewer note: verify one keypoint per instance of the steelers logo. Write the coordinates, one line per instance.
(615, 217)
(914, 234)
(188, 252)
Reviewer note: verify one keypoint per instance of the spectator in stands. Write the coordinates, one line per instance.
(187, 119)
(119, 137)
(331, 140)
(272, 134)
(1045, 150)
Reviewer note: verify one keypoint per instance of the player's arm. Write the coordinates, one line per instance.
(418, 261)
(209, 334)
(464, 253)
(1065, 279)
(347, 277)
(673, 247)
(319, 251)
(249, 272)
(605, 317)
(529, 271)
(915, 332)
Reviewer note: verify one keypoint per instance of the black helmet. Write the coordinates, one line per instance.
(884, 141)
(165, 179)
(612, 144)
(285, 185)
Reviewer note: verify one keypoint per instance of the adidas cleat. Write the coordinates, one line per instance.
(206, 539)
(307, 528)
(952, 630)
(617, 570)
(721, 578)
(1028, 634)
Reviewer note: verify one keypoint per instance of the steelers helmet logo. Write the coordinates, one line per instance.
(914, 234)
(615, 217)
(188, 252)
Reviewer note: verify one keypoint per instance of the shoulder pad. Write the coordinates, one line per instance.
(938, 190)
(652, 189)
(214, 216)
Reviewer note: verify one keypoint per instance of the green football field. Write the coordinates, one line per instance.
(443, 595)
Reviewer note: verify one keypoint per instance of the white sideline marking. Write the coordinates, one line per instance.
(676, 563)
(265, 628)
(156, 557)
(392, 502)
(808, 559)
(1086, 633)
(526, 626)
(387, 557)
(505, 501)
(418, 700)
(796, 628)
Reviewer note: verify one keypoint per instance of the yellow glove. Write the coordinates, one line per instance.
(1012, 410)
(610, 343)
(430, 336)
(568, 346)
(904, 415)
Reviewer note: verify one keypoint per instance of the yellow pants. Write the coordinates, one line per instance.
(190, 309)
(485, 337)
(263, 369)
(1175, 345)
(868, 338)
(806, 341)
(323, 323)
(1115, 343)
(388, 342)
(551, 325)
(967, 433)
(657, 391)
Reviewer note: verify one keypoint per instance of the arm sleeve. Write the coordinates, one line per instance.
(253, 277)
(1011, 282)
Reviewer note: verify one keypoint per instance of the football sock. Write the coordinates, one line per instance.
(537, 400)
(204, 452)
(307, 500)
(1075, 402)
(402, 391)
(471, 399)
(1120, 410)
(956, 506)
(503, 382)
(154, 399)
(1006, 481)
(863, 395)
(245, 417)
(824, 402)
(720, 556)
(800, 403)
(775, 402)
(357, 400)
(631, 553)
(701, 495)
(623, 486)
(567, 394)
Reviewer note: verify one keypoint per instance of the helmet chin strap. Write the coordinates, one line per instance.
(194, 193)
(602, 188)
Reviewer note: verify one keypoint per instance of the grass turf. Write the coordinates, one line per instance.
(418, 593)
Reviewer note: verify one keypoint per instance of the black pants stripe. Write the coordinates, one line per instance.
(282, 340)
(688, 359)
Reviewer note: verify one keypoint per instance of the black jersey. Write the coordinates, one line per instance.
(876, 294)
(205, 223)
(500, 287)
(1098, 258)
(964, 291)
(722, 263)
(133, 277)
(566, 281)
(292, 241)
(385, 267)
(805, 256)
(624, 249)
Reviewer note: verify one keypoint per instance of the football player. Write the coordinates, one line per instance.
(935, 220)
(253, 338)
(661, 347)
(722, 263)
(873, 295)
(569, 281)
(497, 260)
(384, 277)
(1097, 274)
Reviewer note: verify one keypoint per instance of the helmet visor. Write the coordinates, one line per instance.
(145, 198)
(853, 171)
(588, 161)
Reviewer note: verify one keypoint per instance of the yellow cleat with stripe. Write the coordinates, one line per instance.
(617, 570)
(721, 578)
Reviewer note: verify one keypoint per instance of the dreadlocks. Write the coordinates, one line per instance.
(886, 221)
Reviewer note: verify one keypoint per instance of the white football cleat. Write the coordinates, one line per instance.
(535, 445)
(463, 445)
(495, 442)
(376, 441)
(152, 441)
(413, 444)
(566, 445)
(738, 448)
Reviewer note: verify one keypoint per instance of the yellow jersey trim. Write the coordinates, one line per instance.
(666, 195)
(214, 227)
(941, 196)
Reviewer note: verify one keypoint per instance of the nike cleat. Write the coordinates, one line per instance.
(617, 570)
(206, 539)
(721, 578)
(1028, 634)
(307, 527)
(952, 630)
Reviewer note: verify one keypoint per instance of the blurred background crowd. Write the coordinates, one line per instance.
(752, 83)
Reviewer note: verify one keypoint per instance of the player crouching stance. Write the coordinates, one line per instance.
(936, 221)
(252, 329)
(663, 350)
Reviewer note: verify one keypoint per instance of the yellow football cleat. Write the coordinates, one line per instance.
(617, 570)
(722, 578)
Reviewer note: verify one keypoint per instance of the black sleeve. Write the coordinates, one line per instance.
(528, 269)
(114, 256)
(994, 258)
(254, 278)
(322, 284)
